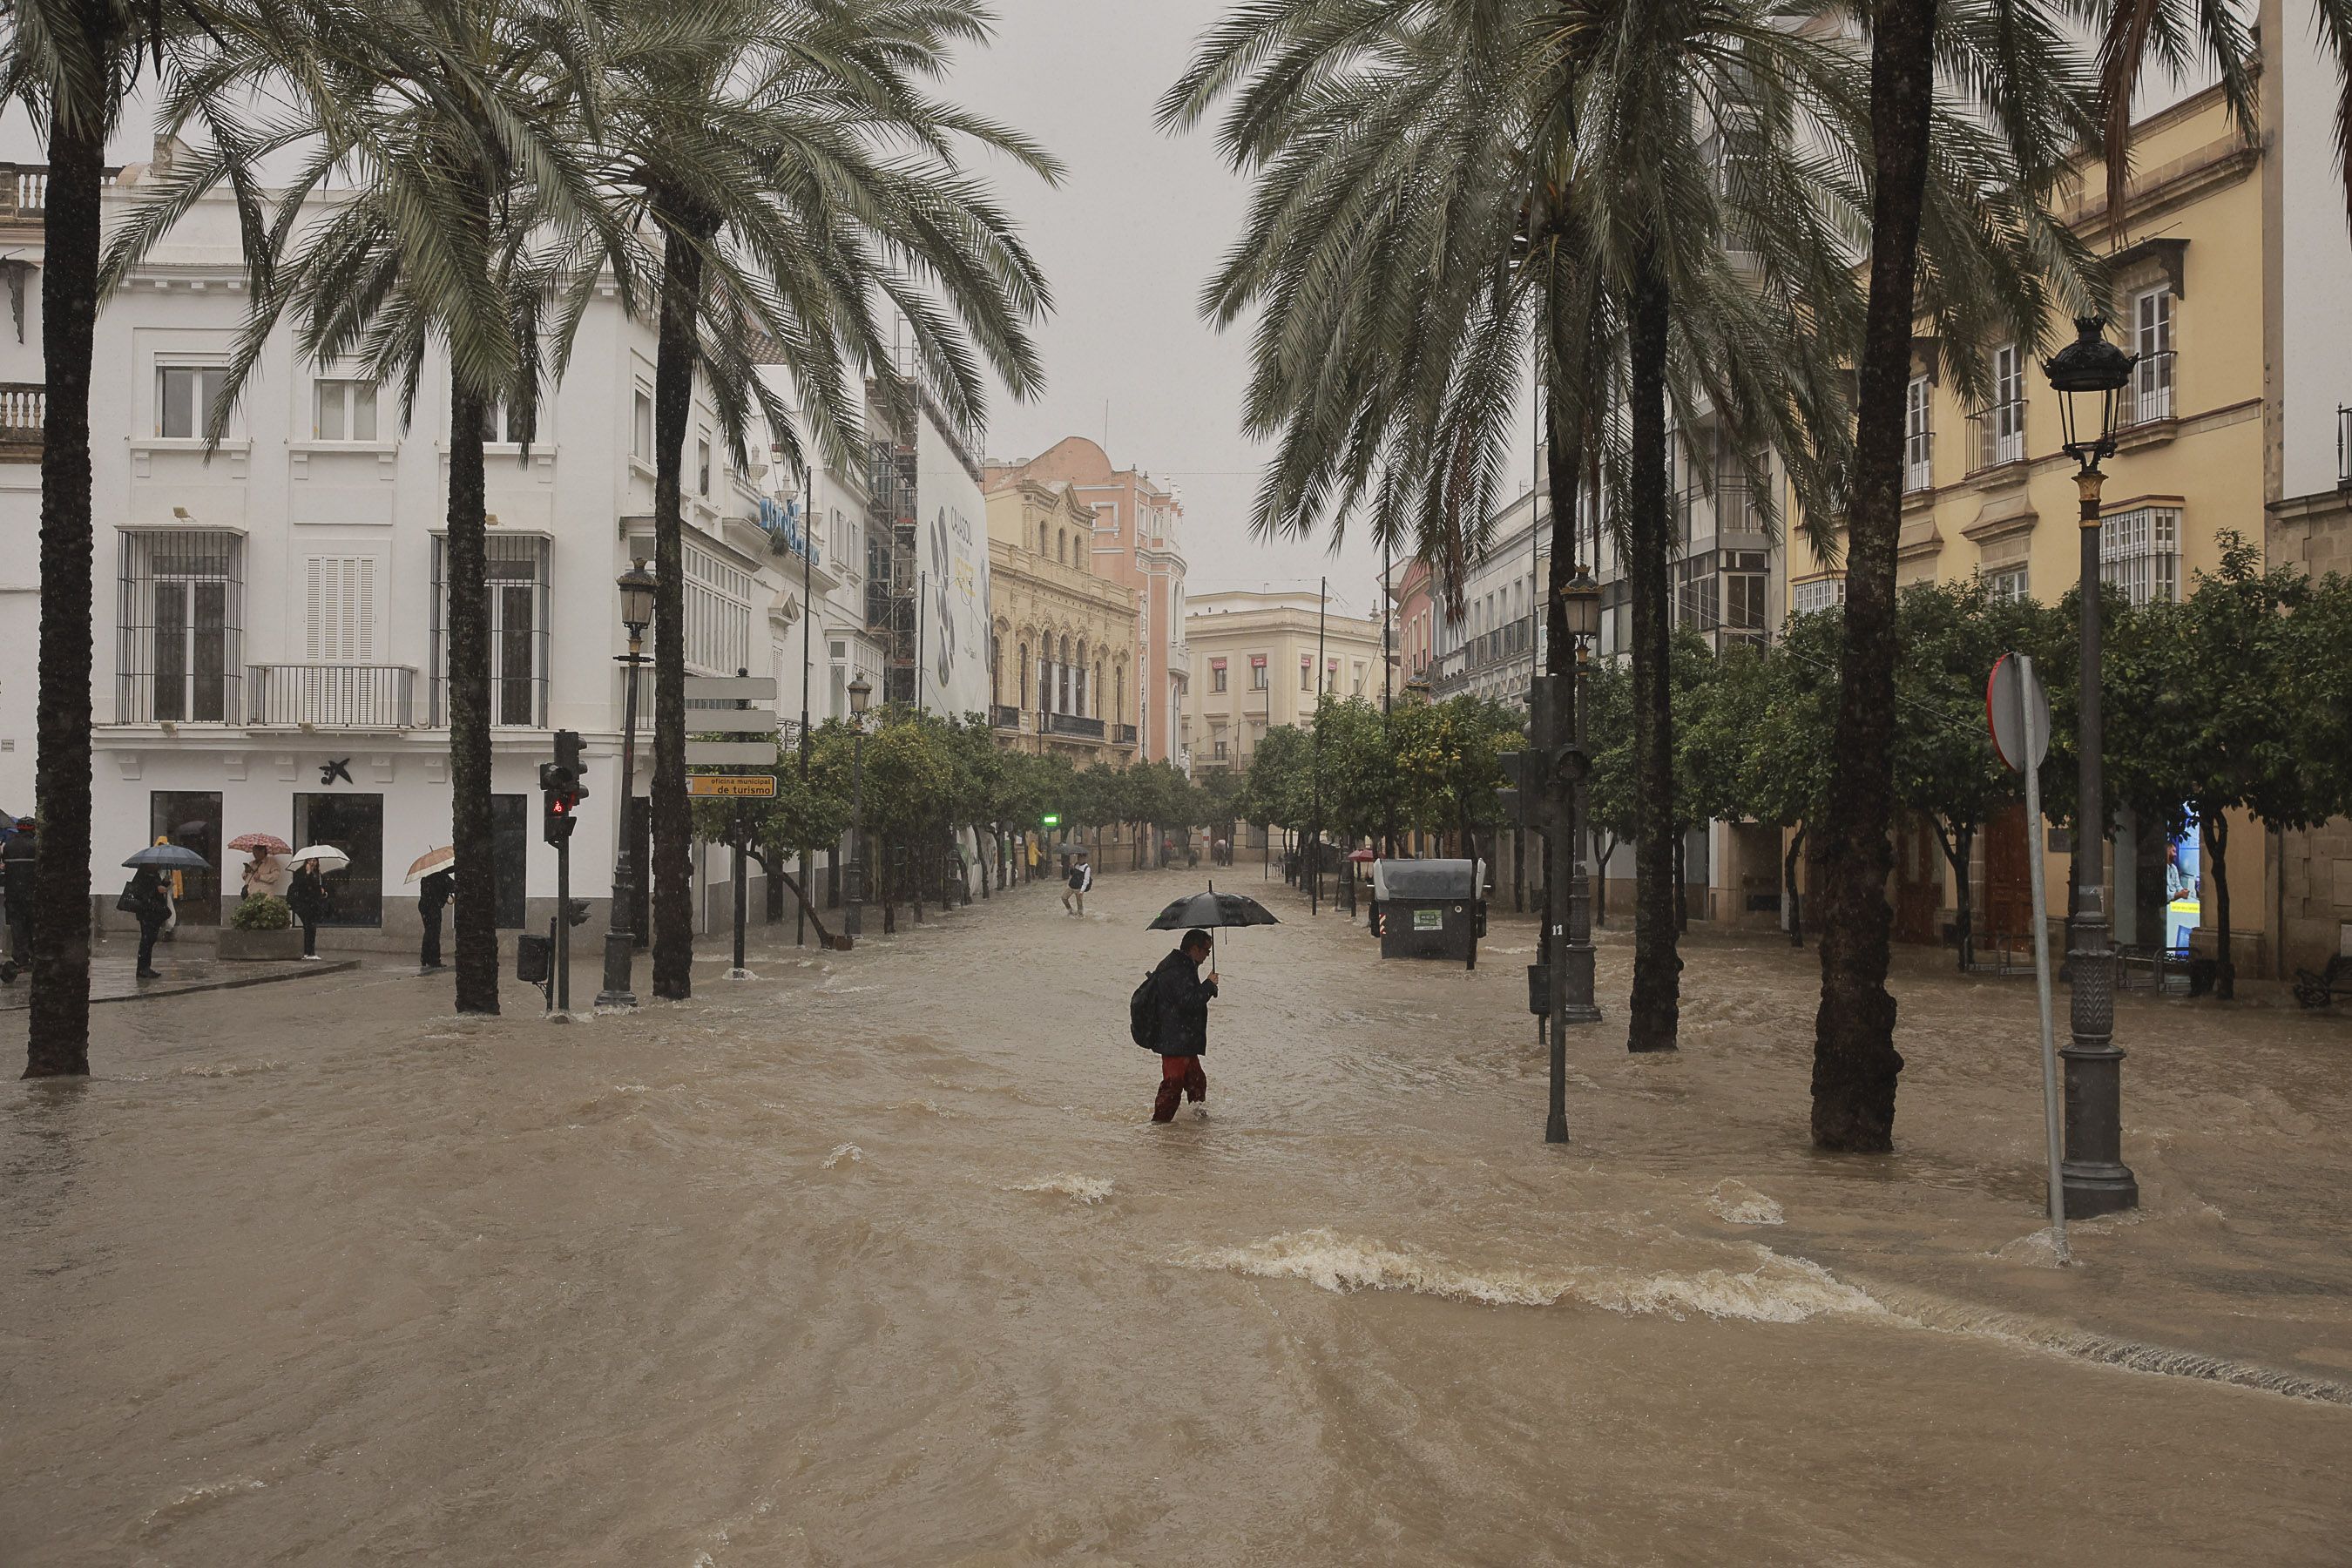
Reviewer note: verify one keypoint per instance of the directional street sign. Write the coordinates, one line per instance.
(730, 754)
(733, 786)
(730, 688)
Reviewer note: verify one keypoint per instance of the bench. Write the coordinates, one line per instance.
(2330, 984)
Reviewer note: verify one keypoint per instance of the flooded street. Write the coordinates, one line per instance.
(877, 1259)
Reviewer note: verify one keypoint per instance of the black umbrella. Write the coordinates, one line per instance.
(1212, 908)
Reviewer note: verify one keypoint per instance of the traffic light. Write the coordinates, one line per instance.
(559, 789)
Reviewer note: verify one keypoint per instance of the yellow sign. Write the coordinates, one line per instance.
(733, 786)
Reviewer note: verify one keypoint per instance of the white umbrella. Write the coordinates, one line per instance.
(329, 858)
(432, 860)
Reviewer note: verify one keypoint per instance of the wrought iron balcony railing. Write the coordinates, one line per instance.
(331, 696)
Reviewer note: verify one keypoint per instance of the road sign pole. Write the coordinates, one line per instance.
(2034, 739)
(563, 927)
(743, 901)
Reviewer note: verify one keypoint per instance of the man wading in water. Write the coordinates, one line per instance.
(1181, 1016)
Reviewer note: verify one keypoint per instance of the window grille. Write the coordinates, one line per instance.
(516, 568)
(2152, 339)
(2139, 552)
(180, 629)
(1821, 593)
(1919, 435)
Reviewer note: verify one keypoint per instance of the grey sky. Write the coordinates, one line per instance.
(1140, 220)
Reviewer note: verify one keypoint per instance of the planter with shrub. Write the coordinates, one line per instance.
(262, 929)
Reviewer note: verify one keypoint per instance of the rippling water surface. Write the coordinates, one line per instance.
(876, 1258)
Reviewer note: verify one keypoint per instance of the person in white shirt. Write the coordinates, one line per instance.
(1082, 876)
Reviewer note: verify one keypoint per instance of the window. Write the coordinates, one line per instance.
(717, 614)
(1695, 594)
(1217, 677)
(1257, 673)
(641, 428)
(344, 411)
(502, 424)
(354, 824)
(702, 466)
(2003, 425)
(1218, 747)
(516, 568)
(2008, 585)
(1744, 580)
(338, 598)
(179, 649)
(1821, 593)
(1919, 435)
(184, 394)
(2152, 338)
(2138, 552)
(1306, 673)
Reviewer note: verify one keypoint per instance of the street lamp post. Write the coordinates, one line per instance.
(636, 586)
(1584, 626)
(853, 918)
(2089, 376)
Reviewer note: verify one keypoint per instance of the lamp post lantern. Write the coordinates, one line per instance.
(2089, 376)
(636, 586)
(853, 918)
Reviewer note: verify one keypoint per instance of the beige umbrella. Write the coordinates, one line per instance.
(329, 858)
(432, 860)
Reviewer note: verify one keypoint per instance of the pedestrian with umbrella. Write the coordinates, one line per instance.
(309, 896)
(147, 899)
(264, 874)
(435, 876)
(17, 858)
(1170, 1012)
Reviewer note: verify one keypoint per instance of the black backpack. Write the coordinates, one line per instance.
(1077, 877)
(1143, 1013)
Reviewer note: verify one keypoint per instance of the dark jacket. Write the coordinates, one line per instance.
(433, 894)
(307, 896)
(1184, 1006)
(147, 899)
(16, 869)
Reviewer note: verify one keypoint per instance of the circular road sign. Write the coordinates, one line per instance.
(2012, 686)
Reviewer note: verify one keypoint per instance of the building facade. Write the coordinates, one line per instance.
(1138, 544)
(1060, 649)
(1254, 668)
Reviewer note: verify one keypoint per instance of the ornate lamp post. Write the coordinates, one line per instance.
(636, 586)
(853, 919)
(1584, 626)
(2089, 376)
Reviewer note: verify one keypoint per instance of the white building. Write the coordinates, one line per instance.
(269, 620)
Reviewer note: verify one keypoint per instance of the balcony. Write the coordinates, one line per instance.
(2151, 389)
(1124, 734)
(23, 406)
(1071, 724)
(331, 696)
(1004, 715)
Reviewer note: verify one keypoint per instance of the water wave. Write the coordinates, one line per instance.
(1086, 1189)
(1779, 1290)
(1733, 1201)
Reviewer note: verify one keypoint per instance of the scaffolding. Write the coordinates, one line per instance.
(891, 583)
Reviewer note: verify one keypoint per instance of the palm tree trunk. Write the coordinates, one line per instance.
(673, 818)
(1796, 893)
(1655, 1013)
(469, 709)
(1855, 1064)
(2217, 856)
(58, 1041)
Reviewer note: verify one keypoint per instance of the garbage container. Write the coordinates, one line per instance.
(1429, 908)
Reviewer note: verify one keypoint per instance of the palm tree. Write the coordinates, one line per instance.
(795, 174)
(69, 64)
(1435, 183)
(470, 233)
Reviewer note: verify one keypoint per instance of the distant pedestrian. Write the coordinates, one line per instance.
(1081, 877)
(1182, 1035)
(175, 888)
(16, 859)
(432, 898)
(147, 902)
(308, 900)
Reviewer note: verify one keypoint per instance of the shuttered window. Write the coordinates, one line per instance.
(340, 609)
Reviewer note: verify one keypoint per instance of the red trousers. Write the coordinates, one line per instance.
(1179, 1076)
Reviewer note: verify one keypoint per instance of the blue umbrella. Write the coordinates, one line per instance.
(169, 857)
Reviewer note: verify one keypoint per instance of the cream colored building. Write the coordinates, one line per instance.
(1254, 658)
(1061, 637)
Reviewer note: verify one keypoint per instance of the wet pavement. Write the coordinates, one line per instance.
(180, 968)
(876, 1258)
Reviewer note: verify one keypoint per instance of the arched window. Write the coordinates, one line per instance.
(1099, 674)
(1062, 680)
(1044, 536)
(995, 669)
(1020, 697)
(1062, 549)
(1078, 682)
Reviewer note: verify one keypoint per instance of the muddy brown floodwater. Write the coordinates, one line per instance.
(875, 1259)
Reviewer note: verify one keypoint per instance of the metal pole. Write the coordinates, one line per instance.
(1576, 1004)
(564, 925)
(853, 918)
(620, 942)
(1315, 844)
(2098, 1181)
(2050, 1112)
(808, 633)
(742, 904)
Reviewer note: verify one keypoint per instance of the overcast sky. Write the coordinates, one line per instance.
(1138, 222)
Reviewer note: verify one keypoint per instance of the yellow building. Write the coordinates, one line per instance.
(1254, 657)
(1987, 491)
(1061, 637)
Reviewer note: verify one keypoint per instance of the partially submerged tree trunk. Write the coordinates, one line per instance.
(1855, 1064)
(469, 709)
(1794, 893)
(1959, 848)
(673, 815)
(2216, 829)
(58, 1038)
(1653, 1017)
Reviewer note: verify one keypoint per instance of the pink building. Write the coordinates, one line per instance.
(1135, 544)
